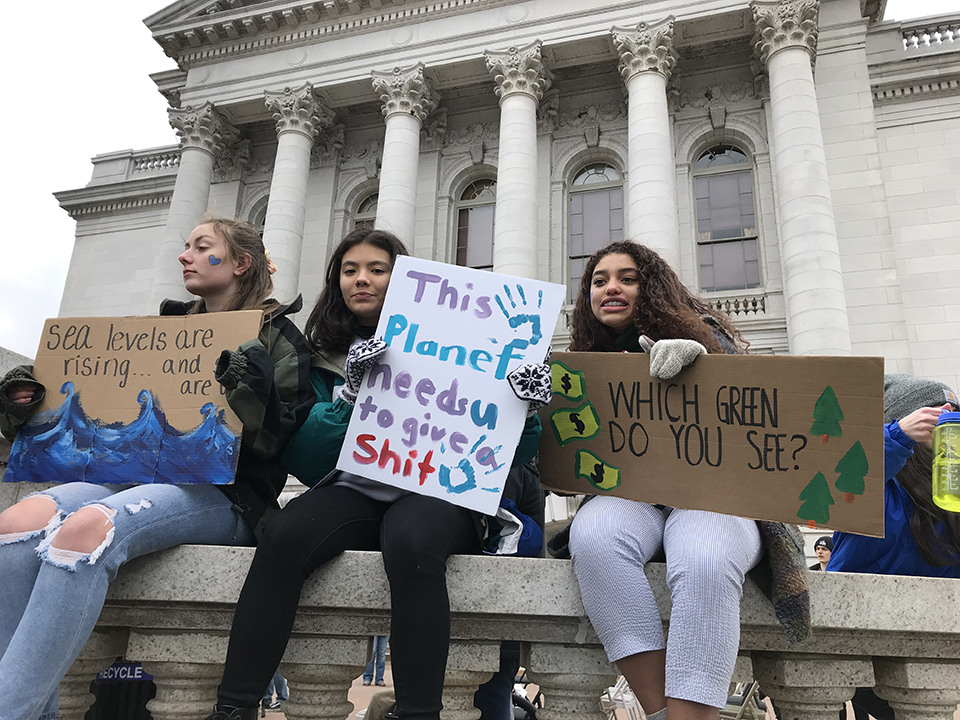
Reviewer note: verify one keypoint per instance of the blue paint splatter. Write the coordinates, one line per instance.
(467, 469)
(66, 445)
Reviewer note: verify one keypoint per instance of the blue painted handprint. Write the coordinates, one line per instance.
(519, 314)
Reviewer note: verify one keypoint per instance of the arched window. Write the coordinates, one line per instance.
(476, 216)
(366, 212)
(259, 217)
(726, 220)
(596, 216)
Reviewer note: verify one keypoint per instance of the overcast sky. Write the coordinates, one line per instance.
(84, 89)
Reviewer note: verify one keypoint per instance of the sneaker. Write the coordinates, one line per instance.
(381, 683)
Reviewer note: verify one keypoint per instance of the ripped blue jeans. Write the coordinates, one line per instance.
(50, 599)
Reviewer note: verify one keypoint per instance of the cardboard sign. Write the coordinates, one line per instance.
(792, 439)
(133, 400)
(436, 416)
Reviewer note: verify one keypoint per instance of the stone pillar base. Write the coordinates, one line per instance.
(812, 687)
(572, 679)
(319, 672)
(919, 689)
(186, 669)
(102, 648)
(469, 665)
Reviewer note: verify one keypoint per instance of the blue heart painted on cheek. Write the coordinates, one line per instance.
(214, 260)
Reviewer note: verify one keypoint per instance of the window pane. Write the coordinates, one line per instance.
(598, 173)
(724, 207)
(481, 191)
(480, 243)
(720, 156)
(729, 266)
(576, 270)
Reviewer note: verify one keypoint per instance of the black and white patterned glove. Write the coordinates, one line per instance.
(361, 357)
(533, 383)
(668, 357)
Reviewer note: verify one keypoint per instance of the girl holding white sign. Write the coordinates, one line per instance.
(631, 301)
(415, 533)
(59, 549)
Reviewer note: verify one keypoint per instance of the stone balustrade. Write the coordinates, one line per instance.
(172, 611)
(126, 165)
(941, 33)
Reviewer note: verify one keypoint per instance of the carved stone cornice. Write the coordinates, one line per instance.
(433, 135)
(232, 163)
(405, 90)
(370, 155)
(519, 70)
(472, 134)
(779, 25)
(646, 47)
(547, 111)
(298, 110)
(707, 97)
(326, 148)
(202, 127)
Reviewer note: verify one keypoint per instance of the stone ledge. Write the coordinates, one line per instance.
(537, 600)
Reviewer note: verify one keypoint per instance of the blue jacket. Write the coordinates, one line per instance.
(896, 553)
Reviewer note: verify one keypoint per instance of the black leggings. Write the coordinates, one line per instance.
(416, 534)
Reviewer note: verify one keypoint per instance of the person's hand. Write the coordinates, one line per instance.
(533, 383)
(361, 357)
(668, 357)
(21, 393)
(918, 425)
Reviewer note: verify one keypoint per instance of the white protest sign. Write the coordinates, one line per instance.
(436, 415)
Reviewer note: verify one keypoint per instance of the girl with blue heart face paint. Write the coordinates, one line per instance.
(60, 548)
(210, 269)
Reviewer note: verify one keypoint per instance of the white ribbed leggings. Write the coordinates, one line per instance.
(707, 557)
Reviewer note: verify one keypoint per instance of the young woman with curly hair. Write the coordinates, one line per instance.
(630, 301)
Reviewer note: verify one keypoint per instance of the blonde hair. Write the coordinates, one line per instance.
(254, 285)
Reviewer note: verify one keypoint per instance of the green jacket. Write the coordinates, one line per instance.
(312, 453)
(267, 384)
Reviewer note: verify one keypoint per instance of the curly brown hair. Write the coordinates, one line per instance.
(664, 309)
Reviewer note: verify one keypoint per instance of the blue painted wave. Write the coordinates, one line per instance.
(65, 445)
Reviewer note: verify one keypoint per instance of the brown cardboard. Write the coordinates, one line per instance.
(110, 363)
(754, 460)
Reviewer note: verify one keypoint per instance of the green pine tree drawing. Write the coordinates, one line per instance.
(852, 467)
(827, 416)
(816, 502)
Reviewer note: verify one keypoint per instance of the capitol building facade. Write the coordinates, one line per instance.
(797, 162)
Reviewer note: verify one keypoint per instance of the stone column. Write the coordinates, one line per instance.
(810, 254)
(647, 59)
(319, 672)
(572, 678)
(186, 668)
(101, 649)
(203, 134)
(919, 689)
(521, 79)
(407, 100)
(300, 117)
(811, 687)
(469, 665)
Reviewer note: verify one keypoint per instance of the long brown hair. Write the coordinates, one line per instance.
(936, 548)
(664, 308)
(254, 285)
(331, 326)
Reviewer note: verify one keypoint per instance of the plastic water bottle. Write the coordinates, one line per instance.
(946, 462)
